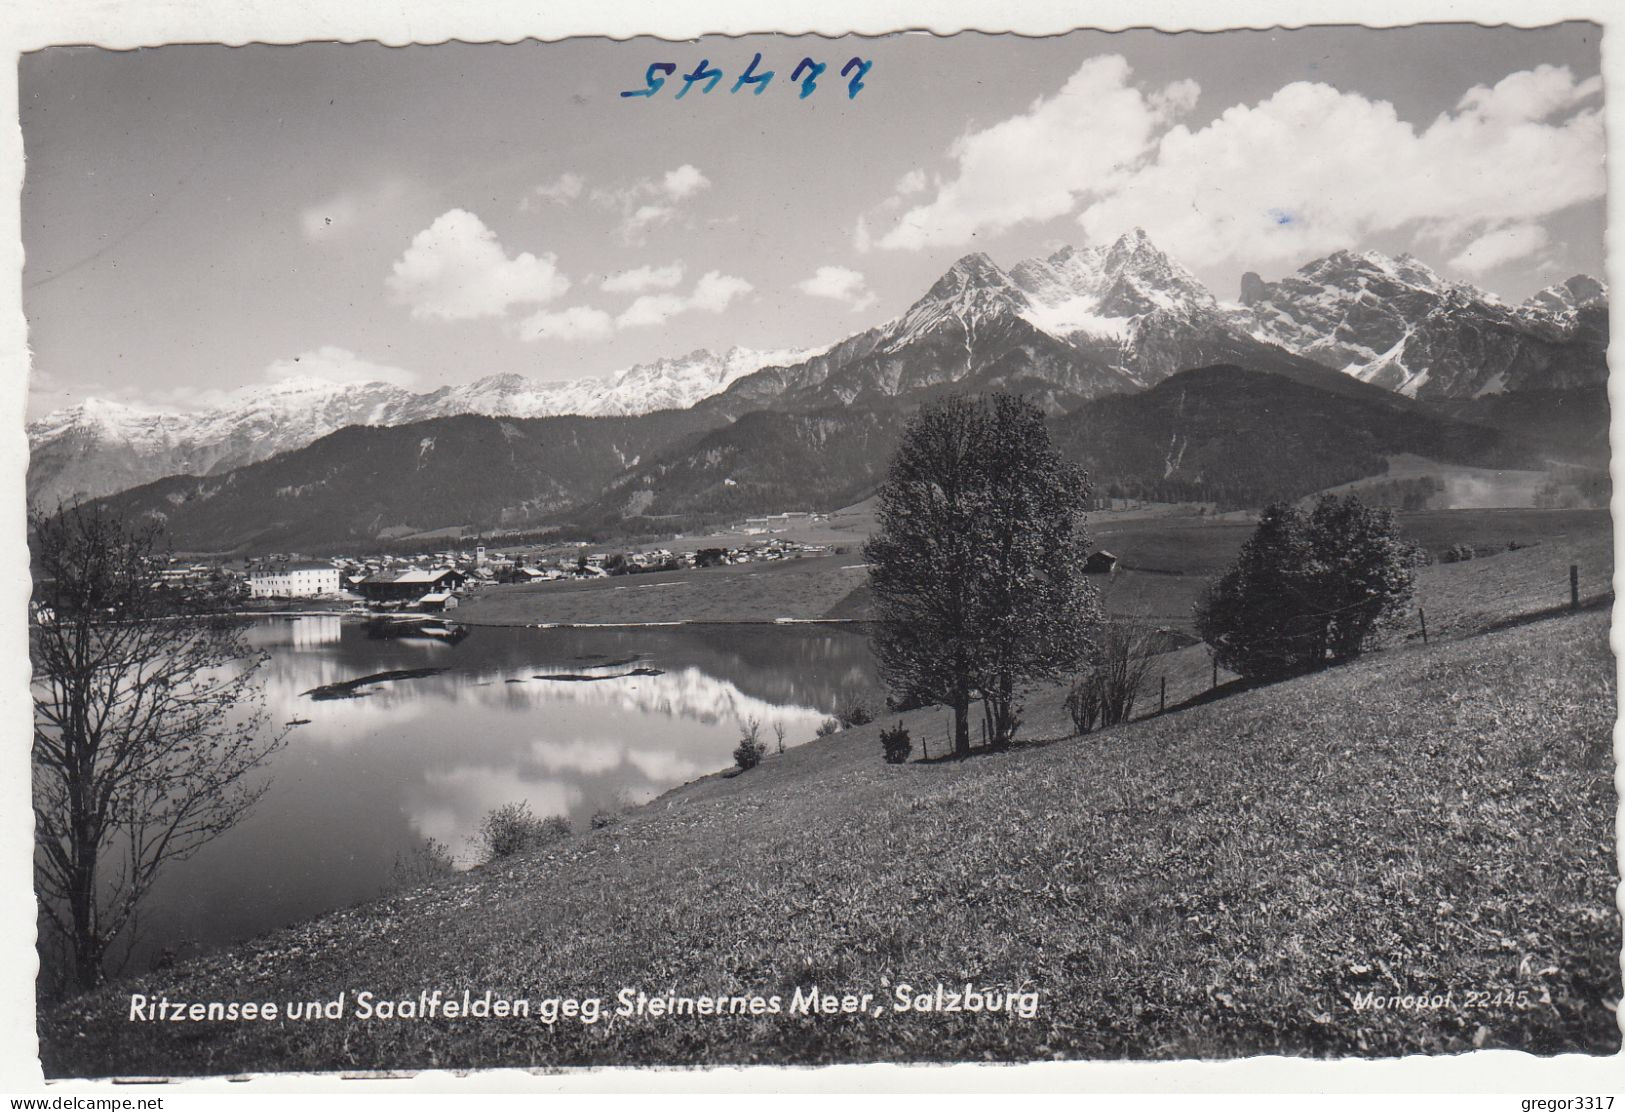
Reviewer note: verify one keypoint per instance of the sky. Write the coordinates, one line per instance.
(199, 219)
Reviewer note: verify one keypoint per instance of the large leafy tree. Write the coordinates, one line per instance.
(977, 568)
(148, 729)
(1308, 589)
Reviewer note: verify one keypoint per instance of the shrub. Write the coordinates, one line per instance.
(1083, 702)
(1456, 553)
(1106, 693)
(748, 753)
(427, 861)
(778, 732)
(827, 726)
(896, 744)
(1126, 649)
(856, 713)
(601, 819)
(512, 829)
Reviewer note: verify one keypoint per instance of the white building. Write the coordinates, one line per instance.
(294, 581)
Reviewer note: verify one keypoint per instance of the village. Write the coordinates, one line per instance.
(434, 582)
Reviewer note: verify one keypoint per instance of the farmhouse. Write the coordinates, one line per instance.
(297, 580)
(438, 602)
(411, 585)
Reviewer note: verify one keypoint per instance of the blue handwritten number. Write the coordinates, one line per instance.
(651, 82)
(857, 81)
(811, 82)
(750, 77)
(709, 76)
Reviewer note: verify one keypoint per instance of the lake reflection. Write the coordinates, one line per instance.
(368, 778)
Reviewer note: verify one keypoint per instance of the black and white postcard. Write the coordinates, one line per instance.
(592, 553)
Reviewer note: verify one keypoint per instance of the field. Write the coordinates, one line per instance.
(1166, 560)
(1462, 487)
(1227, 880)
(758, 592)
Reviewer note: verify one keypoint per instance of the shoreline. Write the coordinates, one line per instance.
(413, 619)
(662, 625)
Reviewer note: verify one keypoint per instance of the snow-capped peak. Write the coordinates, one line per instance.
(1578, 292)
(973, 271)
(259, 420)
(1100, 291)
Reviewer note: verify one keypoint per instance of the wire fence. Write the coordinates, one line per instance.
(1174, 688)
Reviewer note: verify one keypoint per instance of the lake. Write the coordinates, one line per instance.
(368, 779)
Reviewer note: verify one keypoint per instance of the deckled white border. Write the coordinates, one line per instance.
(31, 24)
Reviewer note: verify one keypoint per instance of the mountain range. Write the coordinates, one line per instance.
(1406, 360)
(98, 446)
(1396, 323)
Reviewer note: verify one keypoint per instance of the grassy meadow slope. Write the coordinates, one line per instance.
(1225, 880)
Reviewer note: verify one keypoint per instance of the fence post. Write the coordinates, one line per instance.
(1162, 694)
(1423, 615)
(1574, 586)
(1215, 671)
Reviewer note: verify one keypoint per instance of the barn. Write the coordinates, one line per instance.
(1100, 563)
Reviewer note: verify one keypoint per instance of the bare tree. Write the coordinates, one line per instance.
(1126, 649)
(148, 726)
(1108, 689)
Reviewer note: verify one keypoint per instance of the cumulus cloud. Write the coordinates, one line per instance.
(1033, 166)
(650, 310)
(560, 191)
(1502, 245)
(455, 269)
(713, 293)
(636, 224)
(578, 322)
(683, 182)
(839, 283)
(715, 290)
(643, 278)
(651, 202)
(911, 182)
(1312, 169)
(1305, 171)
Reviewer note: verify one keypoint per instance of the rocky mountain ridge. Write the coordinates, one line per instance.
(1398, 324)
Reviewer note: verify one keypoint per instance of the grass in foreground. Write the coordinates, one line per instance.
(1223, 881)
